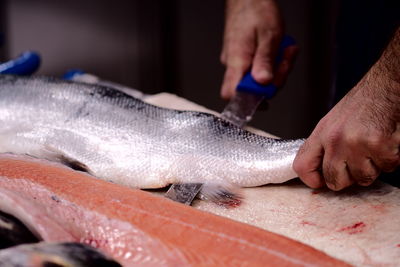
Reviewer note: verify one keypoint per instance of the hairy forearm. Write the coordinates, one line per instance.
(381, 85)
(389, 63)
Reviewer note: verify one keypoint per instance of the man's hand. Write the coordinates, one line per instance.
(360, 136)
(253, 31)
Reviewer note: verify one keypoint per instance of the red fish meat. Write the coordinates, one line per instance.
(135, 227)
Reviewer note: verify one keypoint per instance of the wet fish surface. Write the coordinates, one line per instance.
(54, 254)
(13, 232)
(134, 227)
(122, 139)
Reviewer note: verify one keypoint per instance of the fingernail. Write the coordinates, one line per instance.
(226, 94)
(263, 76)
(332, 186)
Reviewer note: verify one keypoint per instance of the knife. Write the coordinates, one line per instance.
(249, 93)
(183, 193)
(239, 111)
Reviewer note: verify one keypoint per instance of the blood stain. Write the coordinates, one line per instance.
(307, 223)
(379, 207)
(354, 228)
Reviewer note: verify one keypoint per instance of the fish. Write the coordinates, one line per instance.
(119, 138)
(20, 247)
(135, 227)
(44, 254)
(13, 232)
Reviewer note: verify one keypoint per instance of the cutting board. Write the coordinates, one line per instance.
(360, 225)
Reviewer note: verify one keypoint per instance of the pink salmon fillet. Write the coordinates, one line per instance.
(135, 227)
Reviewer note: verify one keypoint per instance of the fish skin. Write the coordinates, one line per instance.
(137, 228)
(129, 142)
(13, 232)
(54, 254)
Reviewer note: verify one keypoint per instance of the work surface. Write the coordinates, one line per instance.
(359, 225)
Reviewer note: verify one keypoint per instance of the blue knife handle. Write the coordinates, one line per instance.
(248, 84)
(71, 74)
(25, 64)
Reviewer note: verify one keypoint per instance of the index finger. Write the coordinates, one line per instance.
(308, 163)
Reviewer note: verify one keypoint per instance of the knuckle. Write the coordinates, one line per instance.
(233, 73)
(333, 139)
(238, 53)
(364, 177)
(264, 60)
(330, 174)
(336, 176)
(271, 32)
(375, 142)
(323, 122)
(354, 140)
(238, 62)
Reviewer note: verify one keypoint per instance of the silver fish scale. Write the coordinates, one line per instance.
(127, 141)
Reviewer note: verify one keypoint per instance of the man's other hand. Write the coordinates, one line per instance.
(360, 136)
(253, 31)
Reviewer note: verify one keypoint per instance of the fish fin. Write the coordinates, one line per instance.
(13, 232)
(224, 195)
(74, 164)
(53, 153)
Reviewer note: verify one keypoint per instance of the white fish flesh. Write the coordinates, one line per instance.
(122, 139)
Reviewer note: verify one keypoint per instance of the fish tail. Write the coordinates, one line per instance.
(225, 195)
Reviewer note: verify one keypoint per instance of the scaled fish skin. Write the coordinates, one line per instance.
(13, 232)
(54, 254)
(122, 139)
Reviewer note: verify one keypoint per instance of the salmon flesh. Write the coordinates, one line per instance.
(134, 227)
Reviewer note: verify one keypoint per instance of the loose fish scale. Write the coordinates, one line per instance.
(125, 140)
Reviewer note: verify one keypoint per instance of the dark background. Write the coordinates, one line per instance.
(174, 46)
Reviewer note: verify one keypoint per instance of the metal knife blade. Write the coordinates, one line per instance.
(241, 108)
(183, 193)
(250, 94)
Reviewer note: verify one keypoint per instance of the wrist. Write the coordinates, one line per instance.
(383, 82)
(381, 93)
